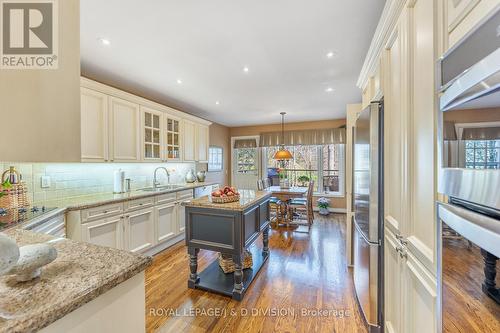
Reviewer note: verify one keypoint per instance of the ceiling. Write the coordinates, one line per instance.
(207, 44)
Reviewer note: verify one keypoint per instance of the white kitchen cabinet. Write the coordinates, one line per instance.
(181, 218)
(151, 134)
(106, 232)
(202, 142)
(120, 127)
(125, 125)
(395, 111)
(409, 161)
(166, 224)
(189, 140)
(393, 292)
(94, 126)
(173, 138)
(463, 15)
(140, 230)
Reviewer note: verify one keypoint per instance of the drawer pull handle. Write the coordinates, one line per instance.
(105, 211)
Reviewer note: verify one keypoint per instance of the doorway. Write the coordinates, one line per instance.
(245, 162)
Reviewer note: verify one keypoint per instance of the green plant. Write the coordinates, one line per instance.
(5, 186)
(303, 179)
(323, 203)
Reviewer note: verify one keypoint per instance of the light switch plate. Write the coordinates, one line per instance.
(45, 182)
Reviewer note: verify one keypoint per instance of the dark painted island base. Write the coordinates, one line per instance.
(490, 272)
(229, 229)
(235, 284)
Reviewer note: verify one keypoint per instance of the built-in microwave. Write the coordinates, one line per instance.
(469, 180)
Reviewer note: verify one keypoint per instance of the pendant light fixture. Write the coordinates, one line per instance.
(282, 154)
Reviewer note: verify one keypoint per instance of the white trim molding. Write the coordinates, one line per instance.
(388, 20)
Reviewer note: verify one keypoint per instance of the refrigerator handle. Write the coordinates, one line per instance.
(364, 236)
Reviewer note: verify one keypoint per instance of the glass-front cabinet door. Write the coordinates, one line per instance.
(151, 143)
(172, 135)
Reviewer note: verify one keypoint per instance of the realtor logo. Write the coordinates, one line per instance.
(29, 34)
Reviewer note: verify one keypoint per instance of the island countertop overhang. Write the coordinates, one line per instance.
(248, 198)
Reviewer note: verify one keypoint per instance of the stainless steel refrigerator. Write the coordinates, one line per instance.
(368, 214)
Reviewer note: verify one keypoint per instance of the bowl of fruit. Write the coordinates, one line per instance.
(225, 195)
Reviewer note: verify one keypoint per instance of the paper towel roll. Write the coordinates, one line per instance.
(119, 181)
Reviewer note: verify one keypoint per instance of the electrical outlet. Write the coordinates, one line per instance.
(45, 182)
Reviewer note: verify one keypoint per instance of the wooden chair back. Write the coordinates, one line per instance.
(310, 212)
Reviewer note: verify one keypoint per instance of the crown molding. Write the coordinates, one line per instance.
(116, 92)
(388, 20)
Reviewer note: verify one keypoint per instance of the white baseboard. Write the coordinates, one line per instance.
(333, 210)
(160, 247)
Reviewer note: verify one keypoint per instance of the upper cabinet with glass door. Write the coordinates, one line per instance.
(172, 135)
(151, 134)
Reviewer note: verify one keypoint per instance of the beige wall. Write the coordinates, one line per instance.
(256, 130)
(219, 136)
(40, 109)
(472, 116)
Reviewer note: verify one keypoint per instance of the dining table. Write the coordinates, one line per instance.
(285, 194)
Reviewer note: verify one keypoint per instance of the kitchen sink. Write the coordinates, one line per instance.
(161, 188)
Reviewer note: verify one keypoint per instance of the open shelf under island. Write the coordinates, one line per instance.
(229, 228)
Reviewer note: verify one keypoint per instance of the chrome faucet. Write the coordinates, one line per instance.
(155, 181)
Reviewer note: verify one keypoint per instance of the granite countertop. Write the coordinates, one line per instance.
(81, 273)
(247, 199)
(90, 201)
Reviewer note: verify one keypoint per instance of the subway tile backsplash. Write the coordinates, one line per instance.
(72, 180)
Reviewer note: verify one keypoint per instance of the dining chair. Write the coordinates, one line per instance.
(267, 182)
(302, 208)
(275, 205)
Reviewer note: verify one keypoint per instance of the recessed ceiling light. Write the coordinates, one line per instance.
(217, 102)
(246, 69)
(331, 54)
(329, 89)
(104, 41)
(179, 81)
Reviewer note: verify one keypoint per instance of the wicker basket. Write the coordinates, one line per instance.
(16, 196)
(222, 200)
(227, 264)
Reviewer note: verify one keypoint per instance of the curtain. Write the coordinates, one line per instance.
(304, 137)
(481, 133)
(449, 131)
(245, 143)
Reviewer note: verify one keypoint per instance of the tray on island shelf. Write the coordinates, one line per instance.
(228, 266)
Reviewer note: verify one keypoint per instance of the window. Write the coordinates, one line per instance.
(246, 159)
(324, 164)
(482, 154)
(215, 158)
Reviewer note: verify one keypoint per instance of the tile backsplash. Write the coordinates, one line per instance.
(71, 180)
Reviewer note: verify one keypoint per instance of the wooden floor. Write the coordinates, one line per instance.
(305, 272)
(466, 309)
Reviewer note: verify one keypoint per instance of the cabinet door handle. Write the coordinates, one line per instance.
(402, 240)
(402, 252)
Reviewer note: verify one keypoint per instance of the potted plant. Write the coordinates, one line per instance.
(323, 204)
(303, 180)
(284, 183)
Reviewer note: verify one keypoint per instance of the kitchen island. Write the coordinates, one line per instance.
(230, 229)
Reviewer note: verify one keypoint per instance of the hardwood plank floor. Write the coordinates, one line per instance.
(466, 309)
(305, 272)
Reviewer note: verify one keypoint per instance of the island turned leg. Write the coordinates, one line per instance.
(238, 277)
(193, 267)
(265, 241)
(490, 272)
